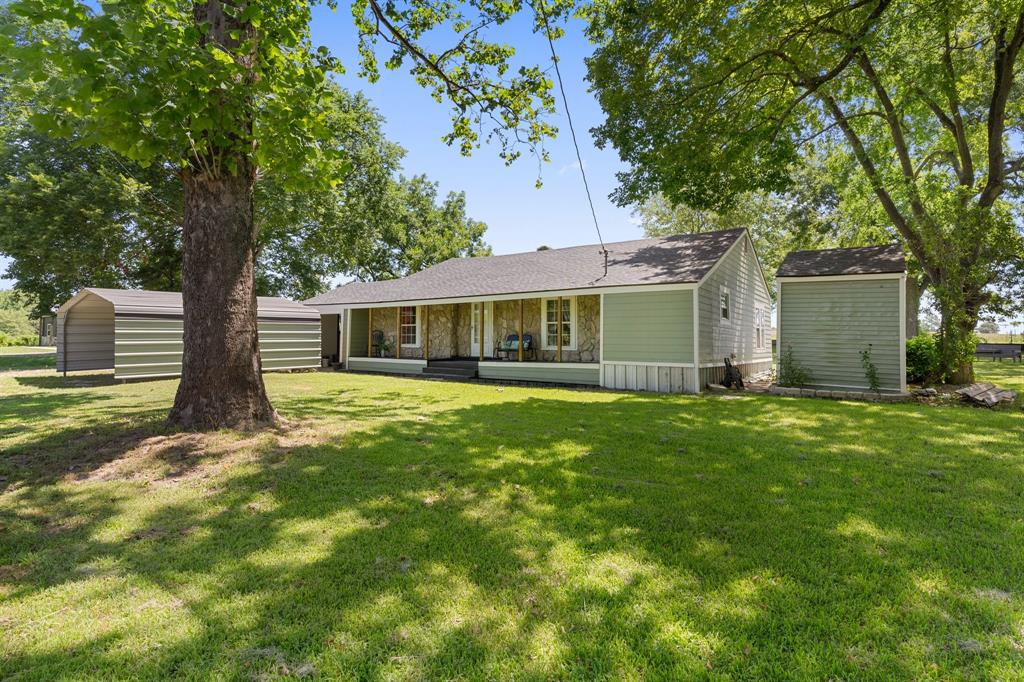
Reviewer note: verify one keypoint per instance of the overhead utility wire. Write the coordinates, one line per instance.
(572, 129)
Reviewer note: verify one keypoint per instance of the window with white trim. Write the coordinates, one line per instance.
(725, 303)
(409, 326)
(550, 323)
(760, 322)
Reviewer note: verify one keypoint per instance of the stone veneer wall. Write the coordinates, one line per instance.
(462, 315)
(450, 328)
(383, 319)
(588, 313)
(506, 320)
(443, 341)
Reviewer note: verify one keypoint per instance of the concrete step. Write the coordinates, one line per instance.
(450, 370)
(448, 375)
(460, 364)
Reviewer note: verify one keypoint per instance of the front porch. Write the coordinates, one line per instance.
(465, 339)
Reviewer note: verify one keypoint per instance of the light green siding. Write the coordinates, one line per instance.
(650, 326)
(739, 273)
(568, 373)
(358, 322)
(152, 346)
(391, 366)
(828, 324)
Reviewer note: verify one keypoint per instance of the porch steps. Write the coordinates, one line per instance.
(451, 369)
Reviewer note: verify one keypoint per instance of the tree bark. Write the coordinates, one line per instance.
(964, 372)
(221, 374)
(959, 318)
(914, 291)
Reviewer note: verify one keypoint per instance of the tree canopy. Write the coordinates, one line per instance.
(15, 315)
(232, 92)
(419, 231)
(75, 215)
(707, 101)
(818, 211)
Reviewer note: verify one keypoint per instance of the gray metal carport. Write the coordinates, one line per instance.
(138, 334)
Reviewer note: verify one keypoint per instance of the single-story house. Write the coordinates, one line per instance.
(139, 333)
(834, 306)
(658, 314)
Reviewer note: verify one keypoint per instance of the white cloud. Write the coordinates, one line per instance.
(571, 167)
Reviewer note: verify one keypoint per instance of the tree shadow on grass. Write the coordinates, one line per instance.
(90, 380)
(541, 537)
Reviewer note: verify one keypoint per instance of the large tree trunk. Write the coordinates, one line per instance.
(964, 371)
(914, 291)
(221, 380)
(956, 347)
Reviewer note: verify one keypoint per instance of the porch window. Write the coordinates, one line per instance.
(725, 303)
(549, 330)
(410, 326)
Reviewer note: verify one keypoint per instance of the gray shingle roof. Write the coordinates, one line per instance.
(140, 301)
(663, 260)
(861, 260)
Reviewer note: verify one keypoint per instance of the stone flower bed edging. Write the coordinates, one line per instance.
(867, 396)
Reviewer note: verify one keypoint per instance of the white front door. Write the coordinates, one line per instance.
(474, 332)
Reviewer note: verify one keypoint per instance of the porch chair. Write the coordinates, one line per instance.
(509, 348)
(377, 344)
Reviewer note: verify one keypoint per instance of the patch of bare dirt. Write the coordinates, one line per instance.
(173, 458)
(13, 572)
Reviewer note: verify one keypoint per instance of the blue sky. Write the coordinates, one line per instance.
(519, 216)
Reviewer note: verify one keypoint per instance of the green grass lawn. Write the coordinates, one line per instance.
(14, 358)
(1005, 374)
(26, 350)
(399, 528)
(1001, 338)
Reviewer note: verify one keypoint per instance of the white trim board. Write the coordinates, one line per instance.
(628, 363)
(903, 333)
(600, 339)
(554, 365)
(393, 360)
(328, 308)
(696, 338)
(778, 321)
(841, 278)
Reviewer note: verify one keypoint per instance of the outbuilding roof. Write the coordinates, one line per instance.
(142, 302)
(861, 260)
(664, 260)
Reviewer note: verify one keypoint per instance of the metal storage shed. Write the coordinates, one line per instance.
(835, 303)
(139, 333)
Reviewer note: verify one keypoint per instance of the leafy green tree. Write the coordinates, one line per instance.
(74, 216)
(308, 236)
(420, 232)
(988, 327)
(708, 100)
(229, 92)
(50, 188)
(822, 209)
(15, 314)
